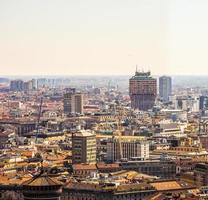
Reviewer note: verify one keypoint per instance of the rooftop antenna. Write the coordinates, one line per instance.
(136, 72)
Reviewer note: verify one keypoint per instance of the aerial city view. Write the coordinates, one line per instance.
(103, 100)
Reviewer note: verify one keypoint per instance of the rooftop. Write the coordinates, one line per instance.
(42, 180)
(170, 185)
(84, 133)
(142, 76)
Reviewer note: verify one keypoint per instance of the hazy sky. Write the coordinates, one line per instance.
(70, 37)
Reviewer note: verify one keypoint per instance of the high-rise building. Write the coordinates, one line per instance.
(165, 88)
(41, 82)
(27, 86)
(142, 90)
(131, 149)
(83, 147)
(20, 85)
(73, 102)
(203, 103)
(17, 85)
(34, 84)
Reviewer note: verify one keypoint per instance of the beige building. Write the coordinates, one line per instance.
(73, 103)
(131, 149)
(83, 147)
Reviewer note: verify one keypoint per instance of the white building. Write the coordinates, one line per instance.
(128, 149)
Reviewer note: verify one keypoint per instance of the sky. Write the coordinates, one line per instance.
(103, 37)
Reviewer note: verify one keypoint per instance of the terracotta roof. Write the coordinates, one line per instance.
(84, 167)
(107, 166)
(10, 179)
(134, 187)
(42, 180)
(166, 185)
(27, 153)
(55, 157)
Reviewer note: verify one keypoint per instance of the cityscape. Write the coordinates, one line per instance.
(103, 100)
(103, 140)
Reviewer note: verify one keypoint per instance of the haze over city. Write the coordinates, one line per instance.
(97, 37)
(103, 100)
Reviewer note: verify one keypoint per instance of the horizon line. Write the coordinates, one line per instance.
(68, 75)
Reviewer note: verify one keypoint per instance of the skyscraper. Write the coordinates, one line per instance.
(203, 103)
(73, 102)
(17, 85)
(165, 88)
(142, 90)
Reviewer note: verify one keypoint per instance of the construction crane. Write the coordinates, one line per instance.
(38, 121)
(119, 131)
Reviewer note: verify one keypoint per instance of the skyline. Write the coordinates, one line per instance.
(103, 37)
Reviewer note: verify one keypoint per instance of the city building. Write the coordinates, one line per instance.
(165, 88)
(42, 187)
(127, 149)
(20, 85)
(84, 170)
(17, 85)
(204, 141)
(188, 103)
(203, 103)
(34, 84)
(107, 191)
(142, 90)
(159, 168)
(83, 147)
(73, 102)
(28, 85)
(198, 176)
(135, 190)
(201, 174)
(41, 82)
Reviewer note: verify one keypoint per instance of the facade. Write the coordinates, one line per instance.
(188, 103)
(165, 88)
(73, 102)
(84, 170)
(203, 103)
(162, 169)
(83, 147)
(107, 191)
(17, 85)
(142, 91)
(204, 141)
(23, 128)
(4, 136)
(42, 187)
(20, 85)
(131, 149)
(28, 86)
(46, 188)
(201, 174)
